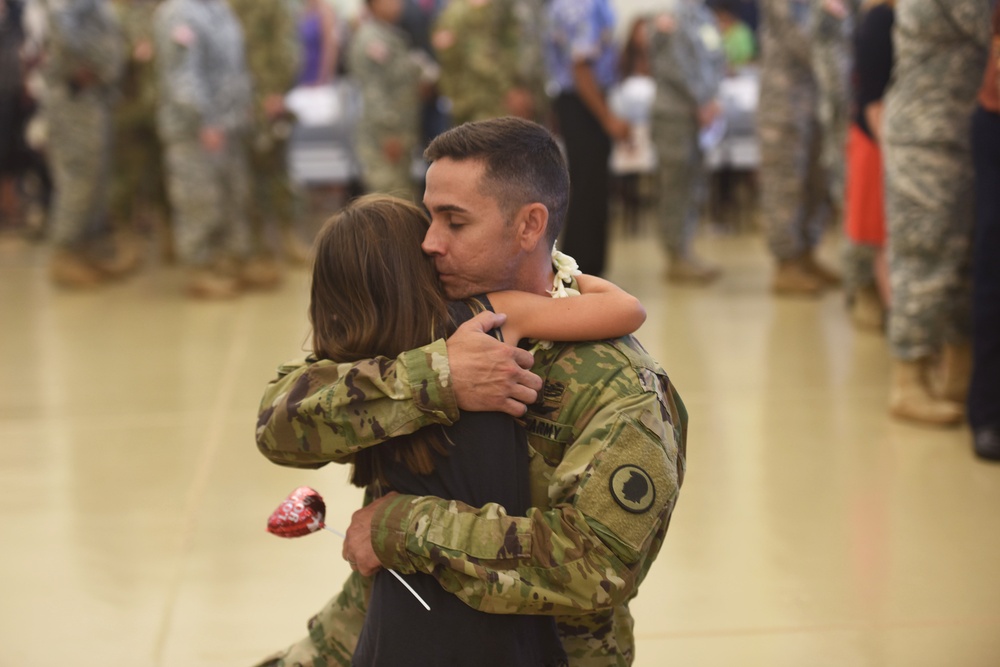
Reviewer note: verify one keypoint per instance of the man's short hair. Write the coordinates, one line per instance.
(523, 164)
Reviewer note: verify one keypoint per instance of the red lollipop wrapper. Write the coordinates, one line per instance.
(301, 513)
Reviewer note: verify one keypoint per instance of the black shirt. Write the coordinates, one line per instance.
(486, 463)
(872, 60)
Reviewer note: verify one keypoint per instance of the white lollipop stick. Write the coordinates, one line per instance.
(393, 572)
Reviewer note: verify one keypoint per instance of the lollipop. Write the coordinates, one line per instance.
(302, 513)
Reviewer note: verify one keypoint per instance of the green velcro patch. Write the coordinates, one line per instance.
(629, 485)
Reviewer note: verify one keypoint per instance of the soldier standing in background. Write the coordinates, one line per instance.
(478, 45)
(832, 28)
(272, 48)
(138, 183)
(688, 63)
(205, 109)
(941, 50)
(379, 59)
(82, 67)
(795, 193)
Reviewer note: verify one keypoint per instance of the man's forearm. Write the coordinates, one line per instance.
(321, 412)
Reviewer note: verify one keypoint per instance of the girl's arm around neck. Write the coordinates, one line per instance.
(602, 310)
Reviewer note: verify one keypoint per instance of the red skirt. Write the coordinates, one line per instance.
(865, 190)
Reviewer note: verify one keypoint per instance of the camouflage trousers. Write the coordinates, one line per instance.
(682, 179)
(333, 632)
(272, 197)
(208, 195)
(79, 153)
(859, 266)
(831, 60)
(381, 175)
(138, 183)
(929, 215)
(794, 189)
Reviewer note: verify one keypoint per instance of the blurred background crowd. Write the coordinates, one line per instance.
(204, 132)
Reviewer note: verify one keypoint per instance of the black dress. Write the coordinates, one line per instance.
(488, 463)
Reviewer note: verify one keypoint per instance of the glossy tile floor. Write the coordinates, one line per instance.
(812, 530)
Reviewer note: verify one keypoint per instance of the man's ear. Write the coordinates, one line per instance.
(533, 221)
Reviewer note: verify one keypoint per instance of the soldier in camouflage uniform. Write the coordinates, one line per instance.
(607, 432)
(832, 28)
(795, 193)
(82, 69)
(688, 64)
(273, 58)
(380, 61)
(478, 45)
(941, 50)
(204, 113)
(138, 182)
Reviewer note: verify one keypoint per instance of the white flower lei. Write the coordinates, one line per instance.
(565, 268)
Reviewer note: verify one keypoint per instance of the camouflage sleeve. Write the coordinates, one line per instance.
(272, 50)
(179, 54)
(312, 414)
(380, 68)
(972, 17)
(612, 496)
(684, 57)
(788, 22)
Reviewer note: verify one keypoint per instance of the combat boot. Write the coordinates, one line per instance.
(828, 276)
(691, 270)
(125, 258)
(70, 269)
(911, 399)
(953, 374)
(793, 278)
(297, 253)
(260, 272)
(867, 311)
(204, 283)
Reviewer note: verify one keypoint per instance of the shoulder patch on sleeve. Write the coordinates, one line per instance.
(630, 485)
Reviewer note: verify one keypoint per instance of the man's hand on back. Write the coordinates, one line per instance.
(488, 375)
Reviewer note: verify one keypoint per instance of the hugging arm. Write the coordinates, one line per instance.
(315, 413)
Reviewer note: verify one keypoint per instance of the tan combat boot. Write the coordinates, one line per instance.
(204, 283)
(793, 278)
(951, 378)
(260, 272)
(70, 269)
(829, 277)
(911, 399)
(691, 270)
(126, 258)
(867, 311)
(297, 253)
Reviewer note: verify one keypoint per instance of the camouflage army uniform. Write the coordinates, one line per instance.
(138, 183)
(203, 83)
(82, 68)
(795, 194)
(477, 43)
(688, 64)
(273, 59)
(831, 33)
(941, 50)
(380, 62)
(608, 458)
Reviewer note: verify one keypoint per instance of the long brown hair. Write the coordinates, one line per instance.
(375, 293)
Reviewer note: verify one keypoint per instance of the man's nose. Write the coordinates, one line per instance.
(433, 242)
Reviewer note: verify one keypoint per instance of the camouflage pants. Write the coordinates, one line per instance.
(333, 632)
(929, 214)
(859, 267)
(208, 195)
(383, 176)
(78, 147)
(795, 196)
(831, 60)
(138, 184)
(272, 197)
(682, 180)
